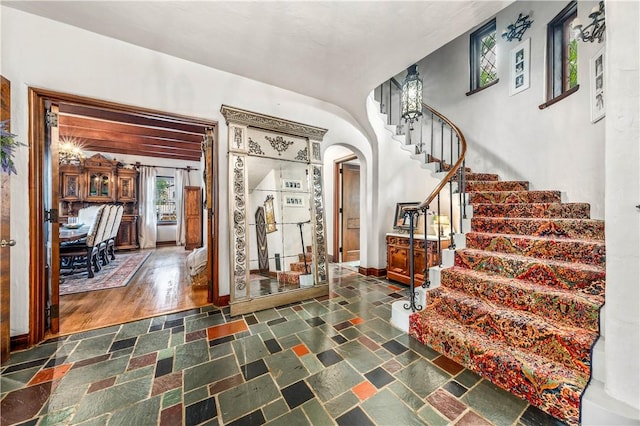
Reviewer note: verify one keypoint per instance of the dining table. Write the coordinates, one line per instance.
(73, 234)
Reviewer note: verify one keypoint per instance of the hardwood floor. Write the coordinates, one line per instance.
(160, 286)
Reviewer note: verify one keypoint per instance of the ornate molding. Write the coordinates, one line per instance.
(254, 148)
(321, 247)
(267, 122)
(303, 155)
(239, 228)
(237, 137)
(279, 143)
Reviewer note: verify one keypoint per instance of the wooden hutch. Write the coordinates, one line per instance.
(98, 180)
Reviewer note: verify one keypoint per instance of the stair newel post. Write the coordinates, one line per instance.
(427, 279)
(452, 245)
(412, 214)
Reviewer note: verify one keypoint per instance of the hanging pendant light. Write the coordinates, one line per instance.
(412, 96)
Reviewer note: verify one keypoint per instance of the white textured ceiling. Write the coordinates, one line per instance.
(336, 51)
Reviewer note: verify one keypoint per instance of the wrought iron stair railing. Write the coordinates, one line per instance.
(441, 146)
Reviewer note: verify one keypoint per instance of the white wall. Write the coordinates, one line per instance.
(83, 63)
(557, 148)
(622, 156)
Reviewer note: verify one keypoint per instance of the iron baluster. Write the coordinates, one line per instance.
(412, 214)
(427, 267)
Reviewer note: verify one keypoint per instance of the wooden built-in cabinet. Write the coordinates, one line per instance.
(98, 180)
(398, 256)
(193, 217)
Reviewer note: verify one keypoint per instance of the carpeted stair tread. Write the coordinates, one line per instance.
(553, 273)
(546, 384)
(541, 247)
(580, 309)
(591, 229)
(470, 176)
(514, 197)
(300, 267)
(541, 210)
(565, 344)
(501, 185)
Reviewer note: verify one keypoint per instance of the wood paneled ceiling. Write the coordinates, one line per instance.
(132, 132)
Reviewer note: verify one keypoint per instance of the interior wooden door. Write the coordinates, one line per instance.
(5, 235)
(193, 217)
(51, 226)
(350, 212)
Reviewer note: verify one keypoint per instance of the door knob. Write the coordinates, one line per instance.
(5, 243)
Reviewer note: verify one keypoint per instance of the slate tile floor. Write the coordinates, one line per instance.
(330, 360)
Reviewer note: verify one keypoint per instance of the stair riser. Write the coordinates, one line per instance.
(559, 228)
(480, 186)
(560, 399)
(567, 276)
(589, 252)
(570, 347)
(537, 210)
(511, 197)
(575, 311)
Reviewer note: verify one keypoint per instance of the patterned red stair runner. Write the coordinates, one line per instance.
(521, 305)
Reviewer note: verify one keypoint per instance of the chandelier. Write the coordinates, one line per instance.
(70, 151)
(593, 31)
(411, 96)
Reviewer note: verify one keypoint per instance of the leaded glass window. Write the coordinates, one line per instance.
(562, 53)
(484, 69)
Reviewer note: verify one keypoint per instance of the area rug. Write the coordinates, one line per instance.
(117, 273)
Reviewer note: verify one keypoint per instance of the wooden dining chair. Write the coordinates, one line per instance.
(85, 253)
(111, 242)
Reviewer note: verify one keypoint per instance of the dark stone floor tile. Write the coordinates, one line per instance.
(25, 365)
(178, 329)
(395, 347)
(297, 394)
(155, 327)
(342, 325)
(354, 417)
(448, 365)
(315, 321)
(195, 335)
(200, 411)
(164, 366)
(455, 388)
(251, 419)
(396, 295)
(221, 340)
(379, 377)
(251, 319)
(254, 369)
(339, 339)
(90, 361)
(533, 416)
(224, 384)
(174, 323)
(276, 321)
(343, 302)
(123, 344)
(273, 346)
(329, 357)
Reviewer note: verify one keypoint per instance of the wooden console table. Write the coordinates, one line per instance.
(398, 256)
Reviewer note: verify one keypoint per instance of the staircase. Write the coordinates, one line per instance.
(521, 305)
(296, 269)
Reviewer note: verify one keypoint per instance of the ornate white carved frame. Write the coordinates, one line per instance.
(243, 126)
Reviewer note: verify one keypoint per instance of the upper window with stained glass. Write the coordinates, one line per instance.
(484, 68)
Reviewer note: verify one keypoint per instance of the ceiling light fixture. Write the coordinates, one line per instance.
(517, 29)
(412, 96)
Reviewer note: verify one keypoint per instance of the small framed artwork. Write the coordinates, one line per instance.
(401, 221)
(269, 215)
(596, 72)
(519, 67)
(291, 185)
(293, 201)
